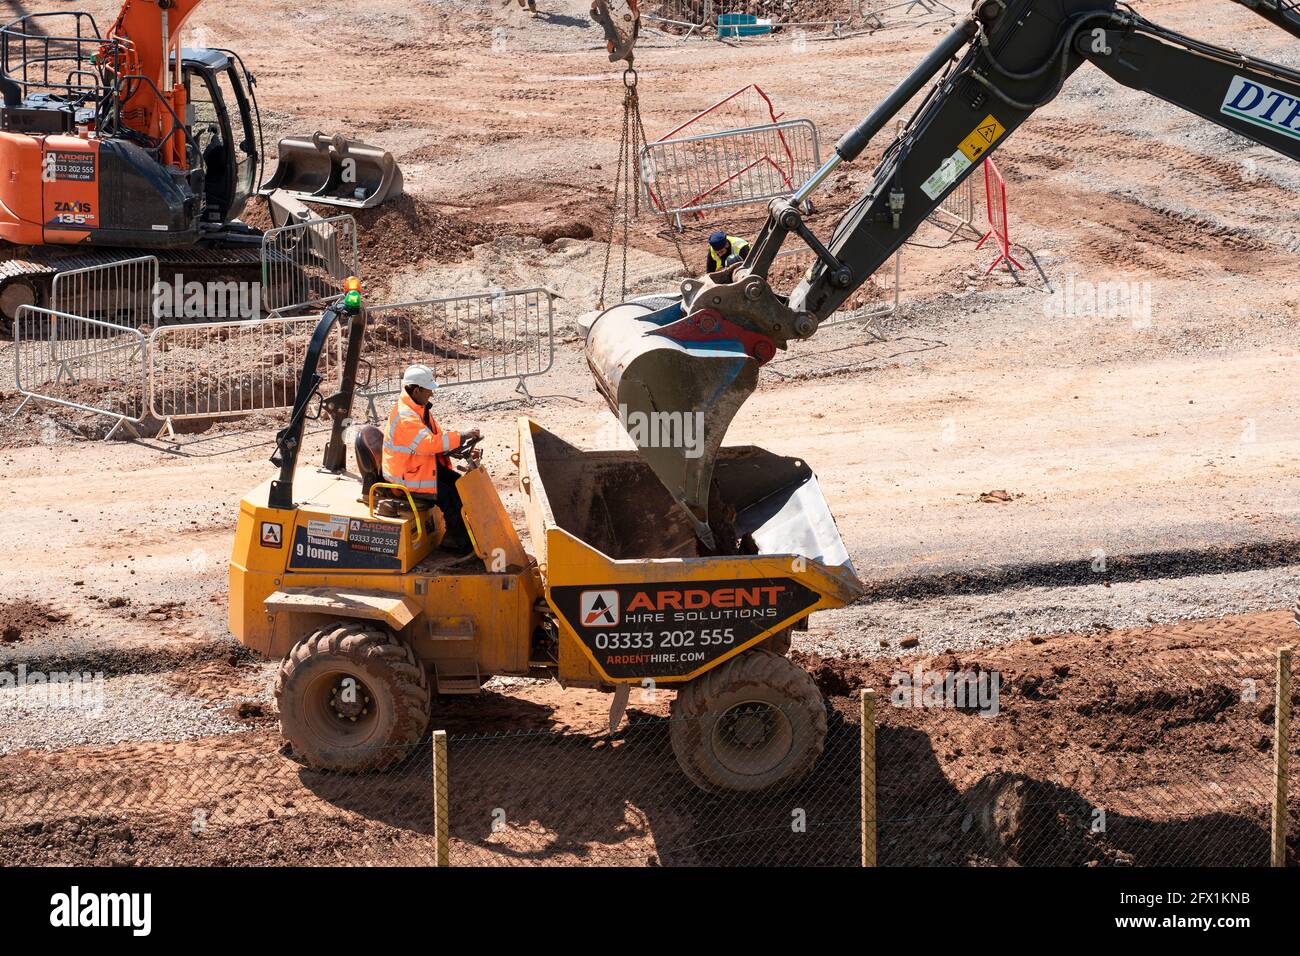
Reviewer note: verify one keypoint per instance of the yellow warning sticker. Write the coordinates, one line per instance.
(982, 138)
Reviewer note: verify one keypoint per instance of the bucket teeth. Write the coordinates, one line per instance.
(336, 171)
(675, 399)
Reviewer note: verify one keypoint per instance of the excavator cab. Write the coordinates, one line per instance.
(222, 123)
(71, 120)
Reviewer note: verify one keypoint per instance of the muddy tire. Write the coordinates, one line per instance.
(779, 643)
(352, 697)
(755, 723)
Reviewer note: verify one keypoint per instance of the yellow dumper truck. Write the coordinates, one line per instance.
(373, 621)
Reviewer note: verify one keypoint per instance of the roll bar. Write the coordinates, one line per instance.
(288, 441)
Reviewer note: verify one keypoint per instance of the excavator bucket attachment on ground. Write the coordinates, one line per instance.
(336, 171)
(675, 398)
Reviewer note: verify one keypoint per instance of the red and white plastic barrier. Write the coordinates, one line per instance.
(995, 193)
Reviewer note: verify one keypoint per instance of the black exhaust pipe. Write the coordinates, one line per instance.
(13, 93)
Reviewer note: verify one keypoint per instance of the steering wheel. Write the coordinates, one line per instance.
(466, 451)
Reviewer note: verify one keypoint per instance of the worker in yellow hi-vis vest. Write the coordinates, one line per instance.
(725, 250)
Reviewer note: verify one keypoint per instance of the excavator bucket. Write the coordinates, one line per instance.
(675, 397)
(621, 21)
(336, 171)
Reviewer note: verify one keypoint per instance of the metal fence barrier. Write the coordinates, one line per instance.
(684, 17)
(304, 264)
(746, 107)
(225, 369)
(735, 168)
(465, 339)
(219, 369)
(875, 16)
(957, 211)
(93, 351)
(81, 363)
(122, 293)
(729, 19)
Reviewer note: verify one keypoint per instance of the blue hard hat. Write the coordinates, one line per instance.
(718, 240)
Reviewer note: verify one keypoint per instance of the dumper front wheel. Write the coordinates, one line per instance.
(352, 697)
(779, 643)
(756, 722)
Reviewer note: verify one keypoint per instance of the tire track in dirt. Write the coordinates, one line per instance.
(1118, 568)
(1062, 143)
(1184, 203)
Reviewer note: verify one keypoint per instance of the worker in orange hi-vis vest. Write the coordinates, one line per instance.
(415, 453)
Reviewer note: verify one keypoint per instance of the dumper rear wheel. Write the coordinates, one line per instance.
(352, 697)
(756, 722)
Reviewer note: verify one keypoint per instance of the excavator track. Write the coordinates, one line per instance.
(28, 277)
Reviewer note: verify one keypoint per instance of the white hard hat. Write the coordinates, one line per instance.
(420, 375)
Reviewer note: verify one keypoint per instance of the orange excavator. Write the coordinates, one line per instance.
(120, 141)
(126, 142)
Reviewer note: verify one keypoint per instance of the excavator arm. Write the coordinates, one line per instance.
(1282, 13)
(693, 363)
(148, 32)
(621, 21)
(1004, 77)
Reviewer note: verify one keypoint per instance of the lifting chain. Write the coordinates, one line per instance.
(626, 204)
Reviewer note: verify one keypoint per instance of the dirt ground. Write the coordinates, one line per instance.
(1140, 748)
(1148, 462)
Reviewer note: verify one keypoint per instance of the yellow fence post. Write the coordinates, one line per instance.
(1281, 754)
(868, 777)
(442, 847)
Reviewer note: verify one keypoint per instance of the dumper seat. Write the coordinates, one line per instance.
(368, 448)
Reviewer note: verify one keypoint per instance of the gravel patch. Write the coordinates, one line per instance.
(135, 707)
(965, 622)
